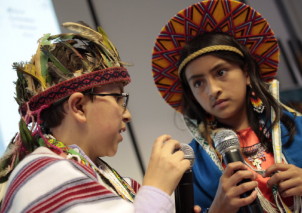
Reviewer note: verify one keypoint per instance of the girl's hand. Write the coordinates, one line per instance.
(197, 209)
(165, 168)
(227, 197)
(288, 176)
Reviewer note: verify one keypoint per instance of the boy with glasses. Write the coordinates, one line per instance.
(73, 109)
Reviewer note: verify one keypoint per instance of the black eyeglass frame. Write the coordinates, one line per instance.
(125, 95)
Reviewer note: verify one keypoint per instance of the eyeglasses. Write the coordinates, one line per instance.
(123, 96)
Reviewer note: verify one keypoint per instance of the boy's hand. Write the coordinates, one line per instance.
(165, 168)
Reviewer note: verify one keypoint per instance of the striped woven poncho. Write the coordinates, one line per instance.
(47, 182)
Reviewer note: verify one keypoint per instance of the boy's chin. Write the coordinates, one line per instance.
(112, 153)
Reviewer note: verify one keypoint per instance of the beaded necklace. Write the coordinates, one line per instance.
(256, 152)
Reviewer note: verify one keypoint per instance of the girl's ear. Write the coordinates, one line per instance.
(75, 106)
(248, 80)
(247, 75)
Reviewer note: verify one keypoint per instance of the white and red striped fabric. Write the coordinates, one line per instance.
(46, 182)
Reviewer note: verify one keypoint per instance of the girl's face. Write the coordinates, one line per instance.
(219, 87)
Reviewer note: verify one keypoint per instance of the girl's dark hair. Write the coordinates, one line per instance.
(192, 108)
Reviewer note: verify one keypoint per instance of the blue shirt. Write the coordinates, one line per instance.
(206, 173)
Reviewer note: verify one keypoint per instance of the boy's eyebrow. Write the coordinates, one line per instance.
(217, 66)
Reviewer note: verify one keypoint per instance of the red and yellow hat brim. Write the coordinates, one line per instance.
(234, 18)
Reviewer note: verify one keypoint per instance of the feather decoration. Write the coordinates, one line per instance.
(30, 85)
(76, 52)
(14, 154)
(68, 36)
(98, 58)
(62, 36)
(84, 30)
(90, 58)
(56, 61)
(40, 60)
(106, 61)
(6, 160)
(5, 171)
(108, 43)
(105, 38)
(92, 35)
(27, 138)
(55, 72)
(109, 53)
(37, 62)
(115, 51)
(30, 69)
(78, 73)
(44, 59)
(72, 48)
(83, 23)
(125, 63)
(21, 84)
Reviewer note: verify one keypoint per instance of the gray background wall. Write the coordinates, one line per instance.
(132, 25)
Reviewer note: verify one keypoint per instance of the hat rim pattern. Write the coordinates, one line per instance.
(77, 84)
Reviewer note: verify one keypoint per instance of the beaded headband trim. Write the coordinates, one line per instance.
(207, 50)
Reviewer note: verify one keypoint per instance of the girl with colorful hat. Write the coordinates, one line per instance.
(73, 110)
(215, 62)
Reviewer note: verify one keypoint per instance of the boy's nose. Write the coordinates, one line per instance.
(126, 116)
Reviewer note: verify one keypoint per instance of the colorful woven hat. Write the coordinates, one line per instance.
(234, 18)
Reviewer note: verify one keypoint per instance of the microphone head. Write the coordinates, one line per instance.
(189, 153)
(226, 139)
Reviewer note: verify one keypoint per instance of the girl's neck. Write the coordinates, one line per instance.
(241, 127)
(237, 122)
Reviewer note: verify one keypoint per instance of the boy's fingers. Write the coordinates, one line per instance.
(159, 142)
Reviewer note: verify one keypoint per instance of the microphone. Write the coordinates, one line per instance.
(184, 194)
(227, 144)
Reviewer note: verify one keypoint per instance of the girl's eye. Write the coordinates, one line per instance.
(221, 72)
(198, 83)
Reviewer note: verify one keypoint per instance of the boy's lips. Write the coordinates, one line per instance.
(122, 130)
(219, 101)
